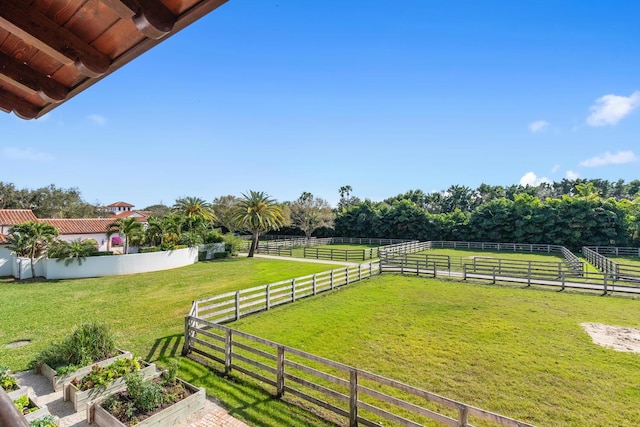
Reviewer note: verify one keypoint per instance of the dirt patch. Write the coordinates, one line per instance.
(615, 337)
(19, 343)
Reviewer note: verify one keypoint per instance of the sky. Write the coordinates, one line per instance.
(292, 96)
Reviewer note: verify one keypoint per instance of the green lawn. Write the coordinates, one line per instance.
(634, 261)
(145, 310)
(518, 352)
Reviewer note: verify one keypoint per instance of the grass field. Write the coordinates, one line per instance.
(518, 352)
(634, 261)
(145, 310)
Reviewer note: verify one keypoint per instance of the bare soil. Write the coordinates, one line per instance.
(618, 338)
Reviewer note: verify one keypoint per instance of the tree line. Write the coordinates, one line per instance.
(579, 216)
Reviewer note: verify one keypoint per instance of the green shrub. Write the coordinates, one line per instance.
(220, 255)
(7, 382)
(101, 253)
(88, 343)
(180, 247)
(213, 236)
(46, 421)
(233, 244)
(101, 376)
(24, 405)
(149, 249)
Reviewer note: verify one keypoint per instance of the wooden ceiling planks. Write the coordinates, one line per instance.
(51, 50)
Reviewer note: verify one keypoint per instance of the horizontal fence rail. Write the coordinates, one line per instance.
(616, 251)
(341, 254)
(615, 270)
(493, 246)
(233, 305)
(361, 397)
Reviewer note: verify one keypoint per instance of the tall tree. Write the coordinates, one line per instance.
(33, 239)
(310, 213)
(223, 209)
(346, 199)
(257, 213)
(130, 228)
(198, 213)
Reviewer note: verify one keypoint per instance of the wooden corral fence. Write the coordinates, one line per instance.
(616, 251)
(341, 254)
(233, 305)
(616, 270)
(356, 395)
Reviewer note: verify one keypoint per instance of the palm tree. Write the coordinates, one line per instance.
(197, 211)
(32, 239)
(127, 227)
(256, 212)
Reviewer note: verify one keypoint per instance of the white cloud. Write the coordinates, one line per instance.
(610, 109)
(571, 175)
(98, 119)
(539, 126)
(29, 154)
(531, 179)
(607, 158)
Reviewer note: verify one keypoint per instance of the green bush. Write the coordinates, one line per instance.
(149, 249)
(180, 247)
(220, 255)
(213, 236)
(7, 382)
(101, 253)
(88, 343)
(233, 244)
(46, 421)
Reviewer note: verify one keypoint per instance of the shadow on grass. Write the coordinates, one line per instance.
(245, 398)
(165, 348)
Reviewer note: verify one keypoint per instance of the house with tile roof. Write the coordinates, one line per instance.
(11, 217)
(83, 228)
(120, 207)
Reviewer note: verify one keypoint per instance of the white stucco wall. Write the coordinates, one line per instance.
(120, 264)
(101, 238)
(21, 267)
(5, 262)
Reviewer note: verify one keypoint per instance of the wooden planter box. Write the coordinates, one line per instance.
(42, 410)
(58, 382)
(165, 418)
(80, 398)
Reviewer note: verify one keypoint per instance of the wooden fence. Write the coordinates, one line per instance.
(616, 251)
(341, 254)
(493, 246)
(233, 305)
(617, 271)
(361, 397)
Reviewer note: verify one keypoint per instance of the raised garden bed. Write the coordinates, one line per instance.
(163, 418)
(81, 398)
(36, 410)
(58, 381)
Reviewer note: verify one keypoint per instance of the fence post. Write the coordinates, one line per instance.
(463, 416)
(418, 267)
(605, 283)
(313, 284)
(346, 272)
(353, 398)
(227, 351)
(237, 305)
(331, 280)
(464, 271)
(187, 336)
(435, 270)
(280, 372)
(529, 275)
(370, 268)
(494, 274)
(268, 297)
(293, 290)
(563, 279)
(359, 271)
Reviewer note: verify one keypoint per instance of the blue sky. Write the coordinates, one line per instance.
(289, 96)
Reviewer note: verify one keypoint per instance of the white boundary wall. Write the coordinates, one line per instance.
(99, 266)
(5, 262)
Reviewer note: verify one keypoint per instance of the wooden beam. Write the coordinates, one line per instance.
(21, 108)
(21, 76)
(47, 36)
(151, 17)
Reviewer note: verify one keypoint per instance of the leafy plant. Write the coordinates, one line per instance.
(88, 343)
(75, 250)
(7, 382)
(24, 405)
(46, 421)
(101, 376)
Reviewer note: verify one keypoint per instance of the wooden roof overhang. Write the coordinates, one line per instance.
(51, 50)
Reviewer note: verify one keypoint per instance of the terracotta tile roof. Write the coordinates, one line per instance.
(120, 204)
(79, 225)
(16, 216)
(143, 215)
